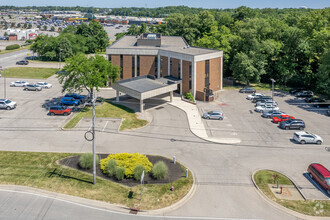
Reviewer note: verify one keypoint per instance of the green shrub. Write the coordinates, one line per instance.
(110, 168)
(120, 173)
(13, 47)
(86, 160)
(189, 96)
(138, 172)
(159, 171)
(128, 161)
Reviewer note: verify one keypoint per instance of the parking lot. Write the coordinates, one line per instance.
(241, 121)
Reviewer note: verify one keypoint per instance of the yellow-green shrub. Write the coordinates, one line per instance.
(127, 161)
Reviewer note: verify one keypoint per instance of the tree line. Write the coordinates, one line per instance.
(290, 45)
(72, 40)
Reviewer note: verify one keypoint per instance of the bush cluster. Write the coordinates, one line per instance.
(138, 172)
(127, 161)
(86, 160)
(13, 47)
(189, 96)
(159, 171)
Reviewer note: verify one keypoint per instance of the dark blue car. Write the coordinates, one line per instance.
(80, 98)
(69, 101)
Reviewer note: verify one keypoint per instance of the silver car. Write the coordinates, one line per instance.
(213, 115)
(304, 137)
(33, 87)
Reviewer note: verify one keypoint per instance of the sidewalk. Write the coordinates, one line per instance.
(196, 124)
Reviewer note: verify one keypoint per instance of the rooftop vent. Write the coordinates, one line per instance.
(151, 36)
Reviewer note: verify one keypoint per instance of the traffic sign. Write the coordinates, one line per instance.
(27, 54)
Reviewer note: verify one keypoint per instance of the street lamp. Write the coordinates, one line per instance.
(60, 58)
(4, 80)
(273, 81)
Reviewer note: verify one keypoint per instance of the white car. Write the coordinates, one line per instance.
(304, 137)
(7, 104)
(268, 103)
(18, 84)
(265, 108)
(251, 96)
(44, 85)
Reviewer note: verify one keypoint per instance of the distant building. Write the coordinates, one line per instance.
(18, 34)
(199, 70)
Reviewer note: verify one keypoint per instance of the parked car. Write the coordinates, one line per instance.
(213, 115)
(305, 93)
(292, 124)
(328, 112)
(265, 108)
(59, 110)
(247, 90)
(321, 175)
(313, 99)
(304, 137)
(32, 87)
(279, 118)
(19, 84)
(294, 91)
(7, 104)
(321, 104)
(22, 62)
(44, 85)
(69, 101)
(255, 100)
(266, 102)
(254, 95)
(80, 98)
(271, 114)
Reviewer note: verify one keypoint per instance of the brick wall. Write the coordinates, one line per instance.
(127, 66)
(200, 76)
(215, 74)
(175, 68)
(164, 66)
(115, 60)
(147, 65)
(185, 77)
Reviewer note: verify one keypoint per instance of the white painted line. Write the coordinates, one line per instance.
(105, 126)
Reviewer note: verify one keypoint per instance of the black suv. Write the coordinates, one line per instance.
(261, 98)
(292, 124)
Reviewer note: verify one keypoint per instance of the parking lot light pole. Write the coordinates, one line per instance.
(93, 130)
(60, 58)
(273, 81)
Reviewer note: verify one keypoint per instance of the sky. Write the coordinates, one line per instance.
(161, 3)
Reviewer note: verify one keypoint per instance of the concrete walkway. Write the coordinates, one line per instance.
(196, 124)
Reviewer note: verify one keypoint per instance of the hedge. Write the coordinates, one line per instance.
(13, 47)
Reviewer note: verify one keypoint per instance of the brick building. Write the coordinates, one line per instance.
(199, 69)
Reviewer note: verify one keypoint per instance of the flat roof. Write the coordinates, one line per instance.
(168, 43)
(141, 84)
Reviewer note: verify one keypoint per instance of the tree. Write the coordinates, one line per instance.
(12, 24)
(25, 25)
(39, 26)
(52, 28)
(45, 27)
(5, 34)
(323, 75)
(143, 28)
(29, 26)
(18, 25)
(87, 73)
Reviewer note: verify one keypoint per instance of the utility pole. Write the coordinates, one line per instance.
(60, 58)
(273, 81)
(93, 130)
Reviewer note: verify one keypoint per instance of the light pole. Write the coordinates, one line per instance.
(93, 130)
(59, 65)
(4, 80)
(273, 81)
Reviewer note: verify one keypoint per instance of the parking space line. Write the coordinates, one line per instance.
(105, 126)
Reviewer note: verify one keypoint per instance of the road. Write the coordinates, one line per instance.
(223, 172)
(10, 59)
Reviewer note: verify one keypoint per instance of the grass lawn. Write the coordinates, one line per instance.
(30, 72)
(40, 170)
(262, 86)
(10, 51)
(265, 177)
(108, 109)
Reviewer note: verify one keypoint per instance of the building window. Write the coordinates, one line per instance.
(121, 66)
(190, 78)
(156, 65)
(179, 70)
(138, 66)
(207, 74)
(171, 64)
(133, 66)
(109, 58)
(161, 66)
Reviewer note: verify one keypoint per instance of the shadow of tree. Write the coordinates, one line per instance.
(66, 177)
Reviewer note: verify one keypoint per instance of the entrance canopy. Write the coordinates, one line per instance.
(144, 87)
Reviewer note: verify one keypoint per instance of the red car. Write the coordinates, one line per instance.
(321, 175)
(59, 110)
(280, 118)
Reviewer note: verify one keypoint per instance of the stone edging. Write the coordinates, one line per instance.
(280, 207)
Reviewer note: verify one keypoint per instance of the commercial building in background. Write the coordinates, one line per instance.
(198, 70)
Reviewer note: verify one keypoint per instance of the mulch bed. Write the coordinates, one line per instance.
(175, 171)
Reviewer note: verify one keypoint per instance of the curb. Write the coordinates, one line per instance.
(280, 207)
